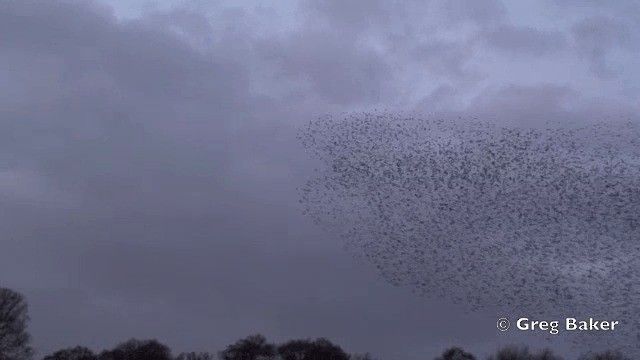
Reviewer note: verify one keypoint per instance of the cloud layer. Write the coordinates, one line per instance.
(149, 163)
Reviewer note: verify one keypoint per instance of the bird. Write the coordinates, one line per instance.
(539, 221)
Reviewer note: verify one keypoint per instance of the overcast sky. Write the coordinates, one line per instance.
(149, 160)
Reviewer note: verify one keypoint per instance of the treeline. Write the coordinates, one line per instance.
(256, 347)
(15, 344)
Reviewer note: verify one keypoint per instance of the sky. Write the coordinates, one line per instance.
(149, 164)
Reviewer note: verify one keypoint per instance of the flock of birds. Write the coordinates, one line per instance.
(540, 221)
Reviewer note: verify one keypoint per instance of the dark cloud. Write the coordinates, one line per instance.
(112, 101)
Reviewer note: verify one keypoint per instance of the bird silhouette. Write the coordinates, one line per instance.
(540, 221)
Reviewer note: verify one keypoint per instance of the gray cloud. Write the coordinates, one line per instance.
(357, 75)
(524, 41)
(356, 15)
(482, 13)
(175, 176)
(532, 104)
(602, 33)
(622, 8)
(445, 59)
(596, 37)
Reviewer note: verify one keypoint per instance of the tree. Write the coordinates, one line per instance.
(76, 353)
(512, 353)
(294, 349)
(323, 349)
(607, 355)
(547, 354)
(455, 353)
(195, 356)
(138, 350)
(253, 347)
(523, 353)
(320, 349)
(14, 338)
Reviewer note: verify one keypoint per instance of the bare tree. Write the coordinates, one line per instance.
(319, 349)
(14, 338)
(523, 353)
(138, 350)
(456, 353)
(75, 353)
(253, 347)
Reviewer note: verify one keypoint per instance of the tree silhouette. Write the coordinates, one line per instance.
(607, 355)
(14, 338)
(512, 353)
(294, 349)
(253, 347)
(323, 349)
(138, 350)
(547, 355)
(523, 353)
(455, 353)
(320, 349)
(256, 347)
(75, 353)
